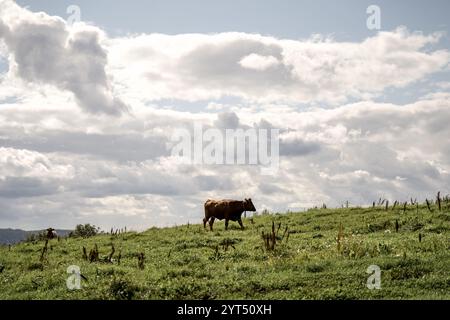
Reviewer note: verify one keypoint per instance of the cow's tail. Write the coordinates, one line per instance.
(206, 209)
(206, 218)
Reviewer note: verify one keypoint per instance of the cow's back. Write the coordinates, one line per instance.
(223, 209)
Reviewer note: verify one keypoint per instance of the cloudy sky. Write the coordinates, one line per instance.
(88, 109)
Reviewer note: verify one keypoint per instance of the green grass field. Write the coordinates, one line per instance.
(318, 260)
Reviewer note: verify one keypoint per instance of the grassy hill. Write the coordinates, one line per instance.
(324, 254)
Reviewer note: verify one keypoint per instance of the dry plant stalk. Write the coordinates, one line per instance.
(44, 251)
(270, 239)
(141, 261)
(428, 205)
(93, 254)
(438, 200)
(395, 204)
(112, 253)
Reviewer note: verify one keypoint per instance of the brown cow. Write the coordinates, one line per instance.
(226, 209)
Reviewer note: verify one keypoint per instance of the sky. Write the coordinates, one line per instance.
(88, 109)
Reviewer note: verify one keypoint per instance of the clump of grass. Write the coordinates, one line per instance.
(415, 224)
(375, 227)
(340, 237)
(413, 272)
(122, 289)
(36, 266)
(217, 255)
(226, 243)
(316, 267)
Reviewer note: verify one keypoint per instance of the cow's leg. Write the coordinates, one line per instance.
(226, 224)
(205, 220)
(211, 222)
(240, 223)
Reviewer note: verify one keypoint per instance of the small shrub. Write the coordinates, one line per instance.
(85, 231)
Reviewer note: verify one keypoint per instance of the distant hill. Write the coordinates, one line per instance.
(11, 236)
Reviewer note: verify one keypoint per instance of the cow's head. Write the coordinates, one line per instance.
(248, 205)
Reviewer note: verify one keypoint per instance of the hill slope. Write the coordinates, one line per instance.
(318, 260)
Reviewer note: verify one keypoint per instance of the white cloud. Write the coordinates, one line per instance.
(25, 163)
(59, 166)
(444, 85)
(257, 62)
(266, 69)
(102, 72)
(45, 50)
(356, 152)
